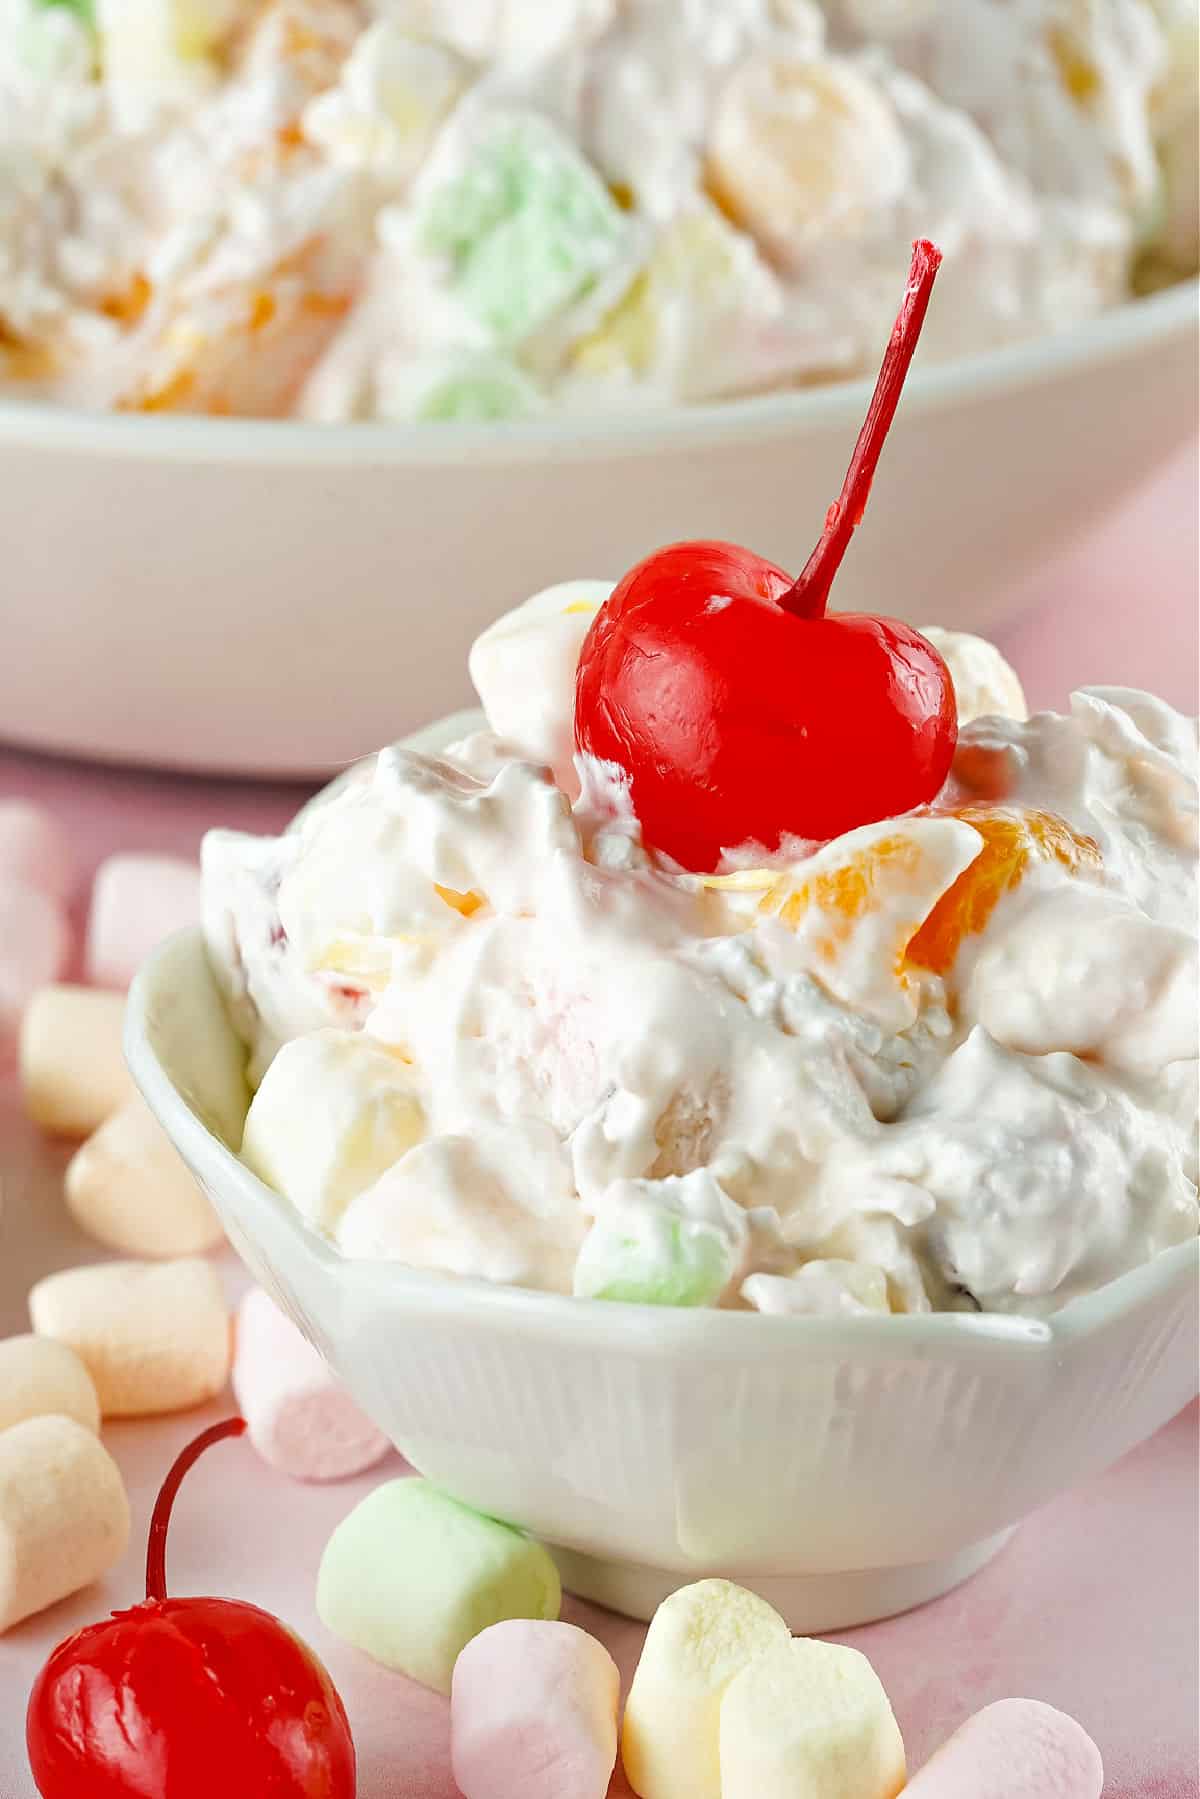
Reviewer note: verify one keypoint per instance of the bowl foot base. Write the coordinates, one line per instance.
(811, 1603)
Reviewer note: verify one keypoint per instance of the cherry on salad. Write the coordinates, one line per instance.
(187, 1698)
(739, 711)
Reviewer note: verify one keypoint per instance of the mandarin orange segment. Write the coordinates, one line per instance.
(466, 903)
(126, 305)
(846, 893)
(855, 906)
(1014, 837)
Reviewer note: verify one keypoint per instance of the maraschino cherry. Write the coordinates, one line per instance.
(187, 1698)
(740, 713)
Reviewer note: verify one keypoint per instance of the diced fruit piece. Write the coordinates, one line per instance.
(856, 906)
(1014, 838)
(704, 281)
(802, 150)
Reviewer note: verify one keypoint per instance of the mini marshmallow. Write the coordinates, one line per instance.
(136, 902)
(39, 1376)
(698, 1641)
(154, 1336)
(411, 1575)
(297, 1415)
(523, 669)
(1015, 1746)
(985, 684)
(129, 1188)
(533, 1713)
(34, 851)
(810, 1720)
(64, 1517)
(34, 945)
(72, 1066)
(333, 1111)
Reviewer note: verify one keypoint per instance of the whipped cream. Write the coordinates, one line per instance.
(944, 1061)
(477, 209)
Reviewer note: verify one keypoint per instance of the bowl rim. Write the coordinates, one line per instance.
(1120, 332)
(705, 1334)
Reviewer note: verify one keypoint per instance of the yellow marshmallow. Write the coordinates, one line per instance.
(73, 1070)
(333, 1112)
(154, 1336)
(64, 1517)
(698, 1641)
(129, 1188)
(809, 1720)
(40, 1378)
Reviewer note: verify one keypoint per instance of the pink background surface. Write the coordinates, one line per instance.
(1093, 1606)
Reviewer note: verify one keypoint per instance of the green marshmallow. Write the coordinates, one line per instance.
(411, 1575)
(477, 394)
(652, 1252)
(528, 225)
(81, 8)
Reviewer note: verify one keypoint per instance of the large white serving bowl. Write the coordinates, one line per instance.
(259, 596)
(844, 1468)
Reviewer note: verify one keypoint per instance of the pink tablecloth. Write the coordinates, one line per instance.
(1093, 1606)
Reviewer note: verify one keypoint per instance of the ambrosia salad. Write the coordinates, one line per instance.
(472, 209)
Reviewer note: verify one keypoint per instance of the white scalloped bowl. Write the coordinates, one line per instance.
(846, 1469)
(278, 597)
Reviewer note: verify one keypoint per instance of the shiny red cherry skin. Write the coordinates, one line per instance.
(737, 722)
(188, 1699)
(739, 713)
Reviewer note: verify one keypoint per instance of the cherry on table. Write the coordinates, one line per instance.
(739, 711)
(191, 1698)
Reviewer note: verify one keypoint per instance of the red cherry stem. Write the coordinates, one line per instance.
(156, 1547)
(809, 595)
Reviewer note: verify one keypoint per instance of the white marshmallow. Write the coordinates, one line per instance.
(523, 669)
(39, 1376)
(809, 1720)
(298, 1416)
(985, 684)
(129, 1188)
(154, 1336)
(73, 1069)
(698, 1641)
(34, 945)
(64, 1517)
(34, 850)
(333, 1111)
(136, 902)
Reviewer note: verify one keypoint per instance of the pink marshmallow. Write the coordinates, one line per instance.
(297, 1416)
(1015, 1746)
(533, 1713)
(34, 945)
(34, 850)
(136, 902)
